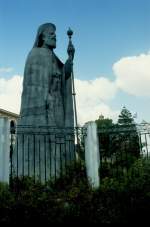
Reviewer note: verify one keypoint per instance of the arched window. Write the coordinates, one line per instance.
(12, 126)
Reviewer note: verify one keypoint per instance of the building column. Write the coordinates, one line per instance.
(4, 149)
(92, 156)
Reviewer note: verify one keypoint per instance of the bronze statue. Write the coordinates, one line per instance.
(47, 87)
(42, 152)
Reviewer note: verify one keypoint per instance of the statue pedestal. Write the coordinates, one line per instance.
(42, 153)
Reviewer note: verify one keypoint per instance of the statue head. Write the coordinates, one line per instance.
(46, 36)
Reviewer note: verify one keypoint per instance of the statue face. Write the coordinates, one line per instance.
(49, 38)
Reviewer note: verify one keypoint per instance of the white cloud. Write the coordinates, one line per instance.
(91, 96)
(6, 70)
(10, 93)
(87, 113)
(133, 74)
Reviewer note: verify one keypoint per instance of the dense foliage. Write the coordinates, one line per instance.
(104, 122)
(123, 196)
(71, 199)
(125, 117)
(119, 143)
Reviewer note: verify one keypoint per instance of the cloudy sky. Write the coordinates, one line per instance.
(112, 58)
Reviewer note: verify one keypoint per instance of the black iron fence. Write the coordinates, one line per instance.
(121, 146)
(43, 153)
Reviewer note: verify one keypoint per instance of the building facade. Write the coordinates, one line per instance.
(7, 119)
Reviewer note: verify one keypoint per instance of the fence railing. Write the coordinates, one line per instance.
(43, 153)
(120, 147)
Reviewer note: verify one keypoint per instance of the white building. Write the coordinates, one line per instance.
(6, 119)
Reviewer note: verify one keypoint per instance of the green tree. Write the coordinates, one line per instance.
(125, 117)
(128, 139)
(119, 143)
(104, 122)
(104, 125)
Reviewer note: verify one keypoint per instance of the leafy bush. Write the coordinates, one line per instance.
(71, 199)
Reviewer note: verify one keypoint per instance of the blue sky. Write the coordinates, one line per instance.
(105, 31)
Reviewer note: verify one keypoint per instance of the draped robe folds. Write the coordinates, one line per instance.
(46, 101)
(47, 91)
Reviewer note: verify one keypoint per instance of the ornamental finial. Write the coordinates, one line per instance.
(69, 33)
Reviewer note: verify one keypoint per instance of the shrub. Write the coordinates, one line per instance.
(71, 199)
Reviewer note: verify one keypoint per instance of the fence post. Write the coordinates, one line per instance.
(92, 156)
(4, 149)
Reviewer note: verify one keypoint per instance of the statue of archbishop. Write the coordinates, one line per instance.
(47, 88)
(46, 101)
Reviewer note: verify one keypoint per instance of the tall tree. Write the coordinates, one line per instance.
(128, 138)
(125, 117)
(119, 143)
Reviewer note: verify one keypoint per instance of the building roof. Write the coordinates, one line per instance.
(5, 113)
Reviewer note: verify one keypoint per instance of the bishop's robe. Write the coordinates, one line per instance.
(47, 92)
(46, 101)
